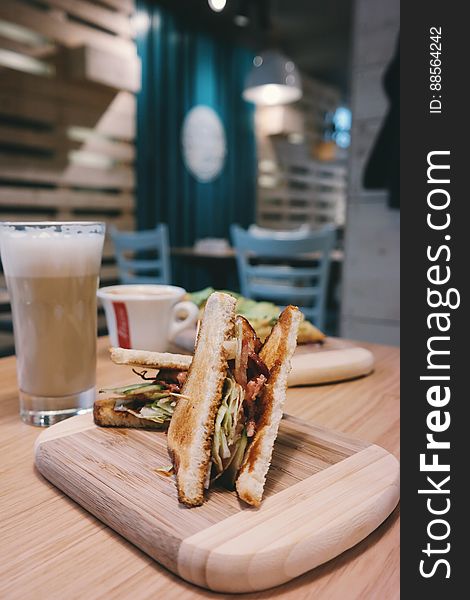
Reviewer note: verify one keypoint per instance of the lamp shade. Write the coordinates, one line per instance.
(274, 79)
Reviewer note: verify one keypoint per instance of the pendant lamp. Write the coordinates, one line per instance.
(274, 79)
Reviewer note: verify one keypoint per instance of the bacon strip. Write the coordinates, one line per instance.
(250, 428)
(181, 377)
(241, 366)
(253, 389)
(259, 364)
(170, 379)
(250, 372)
(171, 387)
(250, 345)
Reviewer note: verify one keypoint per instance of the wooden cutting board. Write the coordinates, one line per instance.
(324, 493)
(332, 361)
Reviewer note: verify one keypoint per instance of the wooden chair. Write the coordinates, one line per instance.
(132, 249)
(286, 271)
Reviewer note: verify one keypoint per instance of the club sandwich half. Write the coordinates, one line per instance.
(151, 402)
(226, 420)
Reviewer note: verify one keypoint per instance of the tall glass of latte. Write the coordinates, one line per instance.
(51, 271)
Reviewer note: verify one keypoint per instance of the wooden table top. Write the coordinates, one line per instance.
(52, 549)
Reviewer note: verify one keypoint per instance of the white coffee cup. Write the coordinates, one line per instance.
(146, 317)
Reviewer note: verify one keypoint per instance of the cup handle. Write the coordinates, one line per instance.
(191, 317)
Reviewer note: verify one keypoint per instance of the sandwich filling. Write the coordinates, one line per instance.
(241, 408)
(153, 400)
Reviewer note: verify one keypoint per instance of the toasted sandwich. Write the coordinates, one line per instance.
(226, 421)
(149, 403)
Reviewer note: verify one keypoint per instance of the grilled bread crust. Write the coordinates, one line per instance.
(276, 353)
(192, 425)
(151, 360)
(105, 416)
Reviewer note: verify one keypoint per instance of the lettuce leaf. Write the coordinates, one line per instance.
(248, 308)
(228, 429)
(232, 469)
(257, 311)
(160, 410)
(135, 389)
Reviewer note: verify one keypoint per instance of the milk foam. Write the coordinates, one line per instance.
(48, 253)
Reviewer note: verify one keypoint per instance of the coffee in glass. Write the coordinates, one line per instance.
(51, 271)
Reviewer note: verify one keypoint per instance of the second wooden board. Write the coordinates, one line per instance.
(324, 493)
(332, 361)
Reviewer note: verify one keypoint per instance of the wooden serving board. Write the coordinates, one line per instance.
(324, 493)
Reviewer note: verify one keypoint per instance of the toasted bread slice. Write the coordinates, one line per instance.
(105, 416)
(192, 425)
(309, 334)
(152, 360)
(103, 410)
(276, 353)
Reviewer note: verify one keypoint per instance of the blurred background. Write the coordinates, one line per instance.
(279, 116)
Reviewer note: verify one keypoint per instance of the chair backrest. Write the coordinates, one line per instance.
(286, 271)
(143, 256)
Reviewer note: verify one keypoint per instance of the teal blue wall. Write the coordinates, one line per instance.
(182, 68)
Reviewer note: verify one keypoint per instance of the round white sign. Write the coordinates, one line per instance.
(203, 143)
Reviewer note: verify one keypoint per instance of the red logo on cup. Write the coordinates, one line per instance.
(122, 324)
